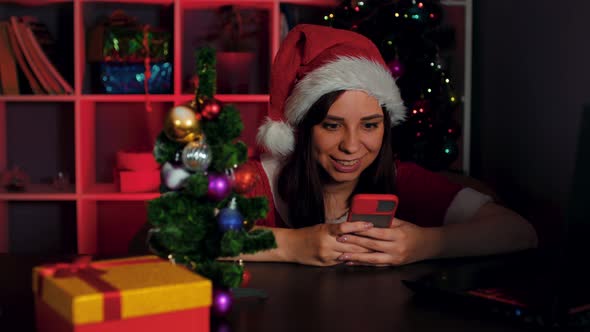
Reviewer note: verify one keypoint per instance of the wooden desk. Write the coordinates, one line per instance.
(300, 298)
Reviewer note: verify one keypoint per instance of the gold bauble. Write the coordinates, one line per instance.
(182, 124)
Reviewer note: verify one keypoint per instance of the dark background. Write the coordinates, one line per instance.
(531, 81)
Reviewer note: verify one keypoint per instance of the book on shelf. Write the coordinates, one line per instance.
(8, 72)
(24, 72)
(25, 39)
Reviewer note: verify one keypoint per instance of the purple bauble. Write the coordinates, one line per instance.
(219, 186)
(222, 302)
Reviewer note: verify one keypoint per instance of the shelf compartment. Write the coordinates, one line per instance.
(241, 68)
(106, 128)
(39, 139)
(58, 16)
(157, 14)
(116, 225)
(41, 227)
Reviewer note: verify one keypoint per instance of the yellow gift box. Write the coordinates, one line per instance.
(131, 293)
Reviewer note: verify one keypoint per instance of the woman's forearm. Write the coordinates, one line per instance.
(494, 229)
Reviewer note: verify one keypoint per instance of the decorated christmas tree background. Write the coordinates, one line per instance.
(204, 213)
(410, 36)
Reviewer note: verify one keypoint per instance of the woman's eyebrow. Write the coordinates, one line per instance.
(366, 118)
(372, 117)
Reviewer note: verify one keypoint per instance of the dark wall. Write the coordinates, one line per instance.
(531, 80)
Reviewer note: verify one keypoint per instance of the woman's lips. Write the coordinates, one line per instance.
(346, 166)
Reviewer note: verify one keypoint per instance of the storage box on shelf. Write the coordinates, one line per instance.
(80, 134)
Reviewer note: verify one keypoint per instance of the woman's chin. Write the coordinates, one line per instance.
(343, 177)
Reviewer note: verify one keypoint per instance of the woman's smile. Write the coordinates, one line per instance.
(346, 166)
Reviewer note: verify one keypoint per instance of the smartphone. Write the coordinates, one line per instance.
(378, 209)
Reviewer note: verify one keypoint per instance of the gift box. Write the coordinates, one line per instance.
(137, 172)
(142, 293)
(137, 181)
(136, 161)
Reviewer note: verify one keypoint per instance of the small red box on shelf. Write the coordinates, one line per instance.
(136, 161)
(137, 172)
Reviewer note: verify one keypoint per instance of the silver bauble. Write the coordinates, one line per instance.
(196, 156)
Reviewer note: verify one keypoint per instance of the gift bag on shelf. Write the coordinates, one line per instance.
(124, 54)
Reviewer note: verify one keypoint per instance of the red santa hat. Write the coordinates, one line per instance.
(313, 61)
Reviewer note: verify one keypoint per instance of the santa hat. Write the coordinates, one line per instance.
(313, 61)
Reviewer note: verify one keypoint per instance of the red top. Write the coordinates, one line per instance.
(424, 196)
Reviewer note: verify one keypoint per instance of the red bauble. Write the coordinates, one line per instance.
(246, 276)
(245, 178)
(210, 109)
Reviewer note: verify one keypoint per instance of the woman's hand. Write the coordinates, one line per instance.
(317, 245)
(403, 243)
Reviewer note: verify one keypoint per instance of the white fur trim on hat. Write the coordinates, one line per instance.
(277, 136)
(346, 73)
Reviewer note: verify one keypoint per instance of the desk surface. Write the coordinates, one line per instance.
(300, 298)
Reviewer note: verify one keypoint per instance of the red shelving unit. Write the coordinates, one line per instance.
(80, 133)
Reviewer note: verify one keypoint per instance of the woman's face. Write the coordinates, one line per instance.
(348, 140)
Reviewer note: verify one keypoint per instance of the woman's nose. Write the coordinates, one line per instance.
(350, 142)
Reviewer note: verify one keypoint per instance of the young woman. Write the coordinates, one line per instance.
(333, 106)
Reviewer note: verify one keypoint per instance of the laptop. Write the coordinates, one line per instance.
(548, 288)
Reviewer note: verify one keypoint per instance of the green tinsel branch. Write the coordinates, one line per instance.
(225, 128)
(165, 149)
(235, 242)
(229, 273)
(227, 156)
(205, 66)
(254, 208)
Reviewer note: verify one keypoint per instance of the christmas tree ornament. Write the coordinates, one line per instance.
(219, 186)
(244, 178)
(173, 176)
(196, 155)
(246, 276)
(247, 225)
(222, 302)
(182, 124)
(210, 108)
(229, 218)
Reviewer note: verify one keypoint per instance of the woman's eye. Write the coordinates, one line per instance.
(330, 125)
(371, 125)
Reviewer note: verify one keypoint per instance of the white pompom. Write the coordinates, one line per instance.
(174, 176)
(276, 136)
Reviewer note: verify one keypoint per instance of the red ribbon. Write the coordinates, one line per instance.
(82, 268)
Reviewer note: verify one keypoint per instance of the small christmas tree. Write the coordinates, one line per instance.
(202, 214)
(411, 39)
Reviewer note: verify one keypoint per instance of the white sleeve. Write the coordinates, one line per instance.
(465, 205)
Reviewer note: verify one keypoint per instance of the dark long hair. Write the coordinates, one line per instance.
(300, 180)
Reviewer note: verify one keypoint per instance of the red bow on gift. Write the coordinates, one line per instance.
(82, 268)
